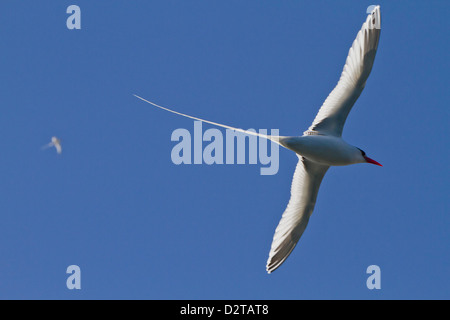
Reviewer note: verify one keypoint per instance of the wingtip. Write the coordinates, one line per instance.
(373, 20)
(372, 8)
(272, 266)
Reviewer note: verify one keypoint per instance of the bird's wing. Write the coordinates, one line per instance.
(48, 145)
(305, 186)
(58, 148)
(332, 115)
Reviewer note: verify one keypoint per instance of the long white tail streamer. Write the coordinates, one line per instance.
(272, 138)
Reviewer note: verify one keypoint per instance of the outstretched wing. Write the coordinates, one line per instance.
(58, 148)
(305, 186)
(48, 145)
(331, 117)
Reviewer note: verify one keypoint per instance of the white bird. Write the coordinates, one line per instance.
(54, 143)
(321, 146)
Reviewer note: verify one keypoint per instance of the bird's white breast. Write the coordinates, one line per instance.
(327, 150)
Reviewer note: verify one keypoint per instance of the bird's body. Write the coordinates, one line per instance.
(323, 149)
(55, 142)
(321, 146)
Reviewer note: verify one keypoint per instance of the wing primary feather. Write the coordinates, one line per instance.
(304, 189)
(333, 113)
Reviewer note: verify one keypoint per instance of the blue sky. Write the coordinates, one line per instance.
(141, 227)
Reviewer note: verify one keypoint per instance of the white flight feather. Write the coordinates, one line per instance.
(331, 117)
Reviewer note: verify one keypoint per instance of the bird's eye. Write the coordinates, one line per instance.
(362, 152)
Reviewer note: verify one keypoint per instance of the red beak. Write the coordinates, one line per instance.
(372, 161)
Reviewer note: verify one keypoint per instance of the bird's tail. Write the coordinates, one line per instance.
(275, 139)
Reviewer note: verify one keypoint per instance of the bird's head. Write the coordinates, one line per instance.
(366, 159)
(56, 140)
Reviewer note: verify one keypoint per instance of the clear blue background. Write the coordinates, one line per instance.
(141, 227)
